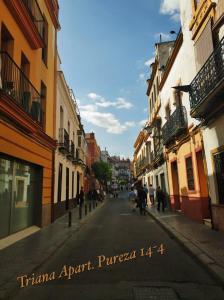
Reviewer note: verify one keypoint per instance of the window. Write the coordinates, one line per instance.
(43, 94)
(73, 176)
(25, 65)
(61, 117)
(7, 41)
(20, 195)
(190, 173)
(45, 39)
(79, 141)
(68, 128)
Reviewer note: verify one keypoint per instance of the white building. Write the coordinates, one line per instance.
(70, 155)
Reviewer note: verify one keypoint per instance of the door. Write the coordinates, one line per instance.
(163, 184)
(219, 172)
(59, 182)
(206, 213)
(67, 189)
(175, 185)
(78, 185)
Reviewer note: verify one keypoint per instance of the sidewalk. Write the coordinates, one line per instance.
(202, 242)
(28, 254)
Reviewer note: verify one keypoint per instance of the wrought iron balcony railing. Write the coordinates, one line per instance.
(63, 141)
(71, 153)
(36, 15)
(18, 88)
(175, 126)
(208, 84)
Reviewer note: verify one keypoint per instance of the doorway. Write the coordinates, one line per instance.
(176, 187)
(67, 189)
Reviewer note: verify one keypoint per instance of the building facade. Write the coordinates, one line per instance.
(27, 113)
(206, 95)
(93, 155)
(70, 155)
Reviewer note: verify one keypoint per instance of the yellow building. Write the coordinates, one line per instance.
(181, 133)
(207, 96)
(28, 36)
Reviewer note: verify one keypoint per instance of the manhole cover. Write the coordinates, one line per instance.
(154, 293)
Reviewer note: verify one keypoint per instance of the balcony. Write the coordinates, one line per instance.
(175, 126)
(63, 143)
(77, 160)
(30, 19)
(207, 88)
(71, 153)
(17, 87)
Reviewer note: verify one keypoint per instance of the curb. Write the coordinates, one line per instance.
(205, 260)
(10, 289)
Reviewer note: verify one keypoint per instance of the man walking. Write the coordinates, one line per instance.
(160, 196)
(81, 197)
(142, 200)
(151, 194)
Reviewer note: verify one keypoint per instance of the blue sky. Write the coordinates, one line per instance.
(106, 47)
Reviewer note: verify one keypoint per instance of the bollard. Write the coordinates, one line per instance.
(80, 212)
(90, 207)
(69, 219)
(85, 209)
(93, 204)
(96, 203)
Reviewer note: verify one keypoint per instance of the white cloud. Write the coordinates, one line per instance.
(94, 96)
(171, 8)
(102, 102)
(149, 62)
(142, 122)
(88, 107)
(104, 120)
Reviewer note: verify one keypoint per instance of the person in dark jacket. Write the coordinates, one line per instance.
(81, 197)
(142, 200)
(161, 197)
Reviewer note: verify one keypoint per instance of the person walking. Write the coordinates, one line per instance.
(132, 198)
(81, 197)
(142, 200)
(160, 196)
(151, 194)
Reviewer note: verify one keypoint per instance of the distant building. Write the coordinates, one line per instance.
(104, 155)
(93, 155)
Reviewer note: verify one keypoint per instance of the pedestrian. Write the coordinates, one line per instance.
(132, 198)
(151, 194)
(142, 200)
(94, 195)
(81, 197)
(160, 196)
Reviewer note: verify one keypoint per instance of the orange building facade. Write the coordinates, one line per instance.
(93, 155)
(28, 36)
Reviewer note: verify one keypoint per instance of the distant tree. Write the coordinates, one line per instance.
(102, 172)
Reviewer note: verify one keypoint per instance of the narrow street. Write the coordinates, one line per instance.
(113, 230)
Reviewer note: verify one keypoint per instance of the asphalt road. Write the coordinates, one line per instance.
(110, 258)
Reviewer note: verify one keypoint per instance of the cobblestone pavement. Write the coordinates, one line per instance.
(117, 255)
